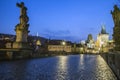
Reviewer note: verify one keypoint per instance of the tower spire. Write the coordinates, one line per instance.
(103, 30)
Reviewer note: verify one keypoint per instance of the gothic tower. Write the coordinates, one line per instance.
(102, 38)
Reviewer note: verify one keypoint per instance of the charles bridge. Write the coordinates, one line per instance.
(71, 67)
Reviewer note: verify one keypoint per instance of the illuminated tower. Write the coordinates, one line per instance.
(102, 38)
(38, 42)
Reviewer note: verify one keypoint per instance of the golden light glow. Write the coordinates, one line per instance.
(63, 43)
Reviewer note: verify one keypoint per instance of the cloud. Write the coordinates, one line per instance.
(60, 34)
(71, 38)
(49, 32)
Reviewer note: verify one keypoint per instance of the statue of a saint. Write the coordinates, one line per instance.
(22, 7)
(116, 15)
(23, 13)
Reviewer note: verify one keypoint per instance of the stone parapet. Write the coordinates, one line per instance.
(112, 59)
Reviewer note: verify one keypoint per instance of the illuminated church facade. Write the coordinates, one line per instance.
(102, 40)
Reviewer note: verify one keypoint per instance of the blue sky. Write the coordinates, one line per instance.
(60, 19)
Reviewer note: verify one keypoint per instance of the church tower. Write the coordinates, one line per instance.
(102, 38)
(103, 30)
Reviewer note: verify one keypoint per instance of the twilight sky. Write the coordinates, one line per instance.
(60, 19)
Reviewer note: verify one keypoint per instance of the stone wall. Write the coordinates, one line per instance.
(113, 60)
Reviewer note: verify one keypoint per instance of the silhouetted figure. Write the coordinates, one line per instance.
(116, 29)
(23, 14)
(116, 15)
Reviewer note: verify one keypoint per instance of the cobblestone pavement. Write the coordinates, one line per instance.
(72, 67)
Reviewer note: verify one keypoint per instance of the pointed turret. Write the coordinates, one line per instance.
(38, 42)
(103, 31)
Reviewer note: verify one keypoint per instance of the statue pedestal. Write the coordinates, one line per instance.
(21, 45)
(25, 51)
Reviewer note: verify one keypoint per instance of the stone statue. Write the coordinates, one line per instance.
(23, 8)
(116, 29)
(116, 15)
(23, 14)
(22, 27)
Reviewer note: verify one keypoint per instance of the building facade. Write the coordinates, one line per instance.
(59, 46)
(102, 40)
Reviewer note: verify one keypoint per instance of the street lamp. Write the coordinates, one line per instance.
(63, 43)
